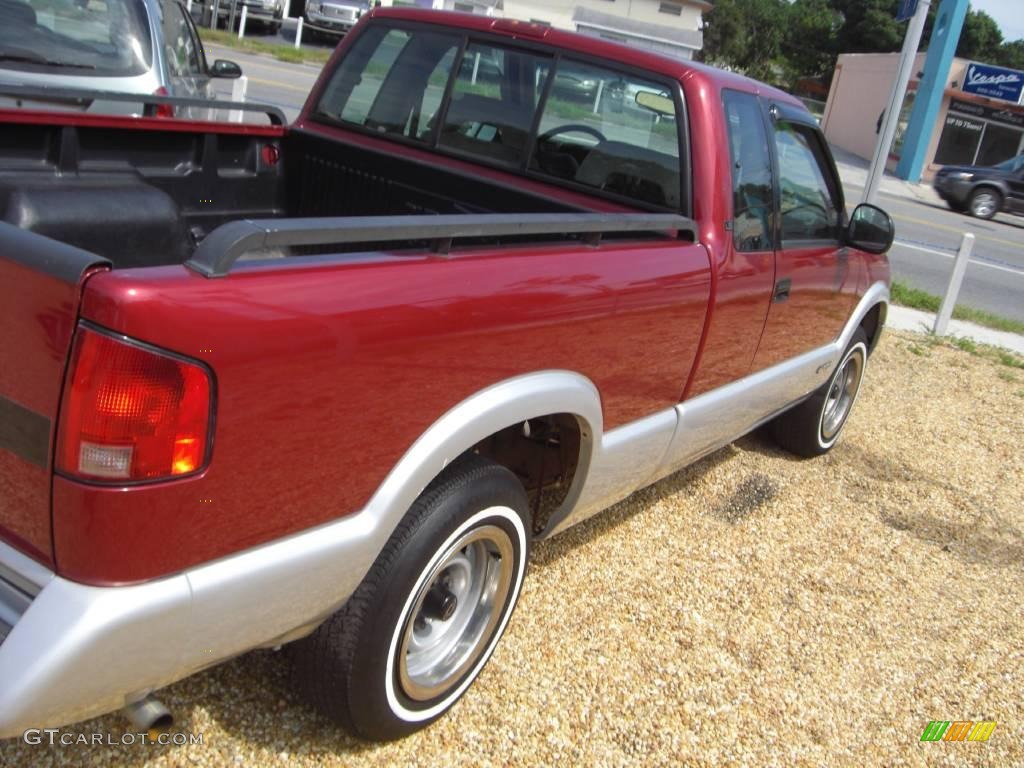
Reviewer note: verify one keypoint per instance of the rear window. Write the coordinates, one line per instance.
(613, 133)
(107, 38)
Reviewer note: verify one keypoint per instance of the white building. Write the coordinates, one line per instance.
(667, 26)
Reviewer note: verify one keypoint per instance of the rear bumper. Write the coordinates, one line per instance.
(71, 651)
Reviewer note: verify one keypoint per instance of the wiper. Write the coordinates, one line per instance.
(29, 59)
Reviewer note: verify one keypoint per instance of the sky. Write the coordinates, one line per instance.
(1009, 14)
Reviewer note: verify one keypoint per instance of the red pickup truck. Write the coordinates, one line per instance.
(321, 385)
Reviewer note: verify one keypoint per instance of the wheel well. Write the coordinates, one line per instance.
(544, 453)
(872, 325)
(991, 187)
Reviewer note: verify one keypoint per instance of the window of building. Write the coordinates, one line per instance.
(751, 172)
(610, 131)
(808, 204)
(671, 8)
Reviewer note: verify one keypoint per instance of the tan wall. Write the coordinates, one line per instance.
(559, 12)
(860, 90)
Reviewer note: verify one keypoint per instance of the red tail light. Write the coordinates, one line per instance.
(163, 110)
(131, 413)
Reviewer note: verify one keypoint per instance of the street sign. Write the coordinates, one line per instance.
(994, 82)
(906, 10)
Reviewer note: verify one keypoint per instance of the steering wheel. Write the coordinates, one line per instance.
(569, 127)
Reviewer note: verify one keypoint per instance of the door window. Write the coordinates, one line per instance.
(613, 132)
(751, 172)
(182, 53)
(808, 203)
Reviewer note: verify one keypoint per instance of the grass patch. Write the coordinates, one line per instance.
(966, 345)
(1007, 376)
(915, 298)
(279, 51)
(1011, 360)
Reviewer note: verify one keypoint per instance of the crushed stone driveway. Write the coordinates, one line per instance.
(753, 609)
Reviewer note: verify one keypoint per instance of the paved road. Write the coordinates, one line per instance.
(928, 234)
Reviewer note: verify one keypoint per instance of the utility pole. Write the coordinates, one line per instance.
(899, 90)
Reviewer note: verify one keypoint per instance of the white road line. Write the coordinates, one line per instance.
(947, 255)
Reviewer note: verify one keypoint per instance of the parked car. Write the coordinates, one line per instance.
(331, 19)
(321, 386)
(265, 14)
(983, 191)
(123, 46)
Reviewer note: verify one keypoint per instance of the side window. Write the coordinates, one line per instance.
(493, 101)
(183, 57)
(808, 204)
(612, 132)
(751, 172)
(391, 81)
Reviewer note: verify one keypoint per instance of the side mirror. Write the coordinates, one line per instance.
(225, 68)
(870, 229)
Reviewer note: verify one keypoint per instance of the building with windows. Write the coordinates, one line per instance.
(981, 118)
(671, 27)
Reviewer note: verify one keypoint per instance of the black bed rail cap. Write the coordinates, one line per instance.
(218, 252)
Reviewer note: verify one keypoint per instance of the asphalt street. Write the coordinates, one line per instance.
(927, 232)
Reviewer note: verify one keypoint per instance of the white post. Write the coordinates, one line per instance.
(476, 67)
(597, 99)
(216, 14)
(241, 23)
(238, 88)
(892, 112)
(188, 7)
(298, 33)
(955, 280)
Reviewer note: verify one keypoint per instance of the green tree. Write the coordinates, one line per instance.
(745, 35)
(869, 26)
(980, 38)
(1011, 55)
(808, 47)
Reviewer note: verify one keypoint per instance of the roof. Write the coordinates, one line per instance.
(662, 64)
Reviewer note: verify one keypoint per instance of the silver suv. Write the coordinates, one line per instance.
(146, 47)
(332, 18)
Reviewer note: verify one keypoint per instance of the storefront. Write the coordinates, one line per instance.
(980, 122)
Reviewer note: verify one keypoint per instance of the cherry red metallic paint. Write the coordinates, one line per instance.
(86, 119)
(39, 316)
(327, 374)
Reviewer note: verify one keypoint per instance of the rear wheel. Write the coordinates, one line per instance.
(813, 427)
(984, 203)
(419, 629)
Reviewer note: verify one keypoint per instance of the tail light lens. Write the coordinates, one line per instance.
(131, 413)
(163, 110)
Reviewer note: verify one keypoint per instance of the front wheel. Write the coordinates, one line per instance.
(984, 203)
(419, 629)
(813, 427)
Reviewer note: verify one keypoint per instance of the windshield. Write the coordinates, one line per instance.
(82, 37)
(1013, 164)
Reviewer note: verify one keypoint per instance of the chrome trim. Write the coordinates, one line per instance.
(22, 571)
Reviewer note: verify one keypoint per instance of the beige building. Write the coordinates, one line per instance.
(971, 129)
(672, 27)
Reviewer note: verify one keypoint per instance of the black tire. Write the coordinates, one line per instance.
(357, 667)
(984, 202)
(813, 427)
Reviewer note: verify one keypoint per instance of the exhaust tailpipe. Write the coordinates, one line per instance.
(149, 715)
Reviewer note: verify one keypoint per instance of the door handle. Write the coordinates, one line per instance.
(782, 290)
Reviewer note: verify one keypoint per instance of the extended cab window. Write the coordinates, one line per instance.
(391, 81)
(808, 201)
(613, 132)
(493, 101)
(751, 172)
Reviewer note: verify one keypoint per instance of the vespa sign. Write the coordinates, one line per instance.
(994, 82)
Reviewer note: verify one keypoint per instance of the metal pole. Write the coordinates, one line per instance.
(241, 22)
(597, 98)
(231, 18)
(955, 280)
(216, 14)
(188, 7)
(298, 33)
(892, 112)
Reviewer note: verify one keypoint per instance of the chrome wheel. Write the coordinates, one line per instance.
(455, 611)
(984, 204)
(841, 394)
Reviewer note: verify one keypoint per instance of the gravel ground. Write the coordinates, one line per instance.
(753, 609)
